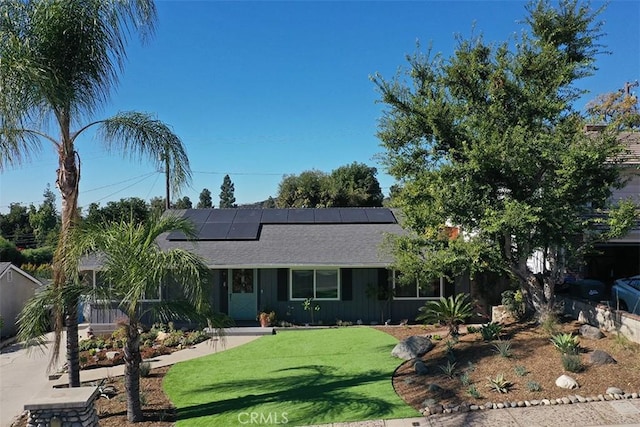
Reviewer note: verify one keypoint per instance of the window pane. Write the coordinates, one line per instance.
(242, 281)
(430, 290)
(327, 284)
(302, 284)
(405, 290)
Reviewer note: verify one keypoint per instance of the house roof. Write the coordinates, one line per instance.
(6, 266)
(298, 241)
(632, 141)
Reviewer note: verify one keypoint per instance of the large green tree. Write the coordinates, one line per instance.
(204, 200)
(353, 185)
(227, 193)
(487, 140)
(59, 62)
(45, 220)
(130, 208)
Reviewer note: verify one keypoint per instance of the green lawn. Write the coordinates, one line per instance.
(293, 378)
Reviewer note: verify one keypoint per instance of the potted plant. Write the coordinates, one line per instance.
(266, 318)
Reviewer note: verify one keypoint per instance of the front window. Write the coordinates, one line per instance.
(411, 289)
(321, 284)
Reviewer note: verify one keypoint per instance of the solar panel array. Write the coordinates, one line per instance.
(245, 224)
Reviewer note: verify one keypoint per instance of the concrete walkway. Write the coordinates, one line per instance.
(612, 413)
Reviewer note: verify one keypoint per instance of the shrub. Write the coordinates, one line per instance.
(533, 386)
(491, 331)
(572, 363)
(499, 384)
(42, 271)
(449, 369)
(173, 339)
(451, 311)
(521, 371)
(88, 344)
(514, 303)
(566, 343)
(145, 369)
(195, 337)
(37, 256)
(473, 392)
(465, 379)
(503, 348)
(472, 329)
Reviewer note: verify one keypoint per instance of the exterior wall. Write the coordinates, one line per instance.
(15, 290)
(359, 307)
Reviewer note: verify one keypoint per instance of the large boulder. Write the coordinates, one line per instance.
(412, 347)
(591, 332)
(565, 381)
(600, 357)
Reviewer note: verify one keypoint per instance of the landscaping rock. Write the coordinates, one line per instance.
(614, 390)
(600, 357)
(565, 381)
(412, 347)
(420, 367)
(591, 332)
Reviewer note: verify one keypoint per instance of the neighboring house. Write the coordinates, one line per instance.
(276, 258)
(621, 257)
(16, 287)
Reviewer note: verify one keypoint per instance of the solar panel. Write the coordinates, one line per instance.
(275, 216)
(197, 216)
(176, 235)
(214, 231)
(353, 216)
(243, 231)
(380, 216)
(248, 215)
(221, 215)
(300, 216)
(327, 216)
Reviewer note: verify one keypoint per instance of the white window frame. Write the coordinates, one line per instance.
(315, 270)
(417, 294)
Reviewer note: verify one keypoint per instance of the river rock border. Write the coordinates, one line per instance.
(568, 400)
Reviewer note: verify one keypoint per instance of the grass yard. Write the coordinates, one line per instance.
(294, 378)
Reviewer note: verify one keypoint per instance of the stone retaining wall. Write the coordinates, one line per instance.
(603, 316)
(68, 407)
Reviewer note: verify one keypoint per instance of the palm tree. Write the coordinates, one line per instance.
(59, 61)
(452, 311)
(134, 266)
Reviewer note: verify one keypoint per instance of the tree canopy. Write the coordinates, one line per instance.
(60, 62)
(227, 193)
(353, 185)
(487, 140)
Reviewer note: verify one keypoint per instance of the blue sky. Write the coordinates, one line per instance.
(263, 89)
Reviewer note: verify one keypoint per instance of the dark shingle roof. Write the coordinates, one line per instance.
(299, 244)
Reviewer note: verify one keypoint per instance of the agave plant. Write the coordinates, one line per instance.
(499, 384)
(451, 311)
(566, 343)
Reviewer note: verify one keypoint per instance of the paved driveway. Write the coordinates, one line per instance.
(23, 373)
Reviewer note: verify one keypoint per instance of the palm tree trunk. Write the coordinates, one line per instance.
(68, 184)
(73, 353)
(132, 360)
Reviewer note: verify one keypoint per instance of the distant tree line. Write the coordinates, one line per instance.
(34, 227)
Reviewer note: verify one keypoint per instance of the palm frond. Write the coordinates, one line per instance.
(143, 136)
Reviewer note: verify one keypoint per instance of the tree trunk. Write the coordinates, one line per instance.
(132, 360)
(73, 353)
(68, 184)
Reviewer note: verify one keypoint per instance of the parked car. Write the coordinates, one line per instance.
(626, 294)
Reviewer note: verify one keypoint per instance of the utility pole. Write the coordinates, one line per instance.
(167, 204)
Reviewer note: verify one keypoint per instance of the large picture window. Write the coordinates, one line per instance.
(321, 284)
(412, 290)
